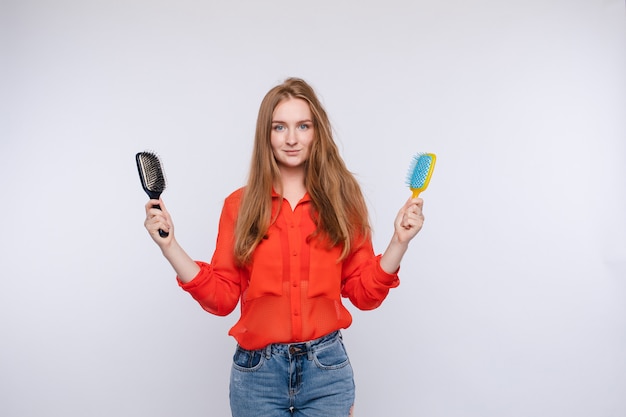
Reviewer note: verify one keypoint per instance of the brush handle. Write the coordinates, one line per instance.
(416, 193)
(162, 233)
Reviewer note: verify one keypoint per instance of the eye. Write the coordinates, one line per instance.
(304, 126)
(279, 128)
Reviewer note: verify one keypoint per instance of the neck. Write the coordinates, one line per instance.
(292, 185)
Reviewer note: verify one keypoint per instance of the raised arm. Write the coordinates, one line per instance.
(185, 267)
(407, 224)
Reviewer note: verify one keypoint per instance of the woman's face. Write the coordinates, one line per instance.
(292, 133)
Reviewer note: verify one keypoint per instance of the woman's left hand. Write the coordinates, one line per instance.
(409, 220)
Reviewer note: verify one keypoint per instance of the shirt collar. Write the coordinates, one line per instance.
(304, 199)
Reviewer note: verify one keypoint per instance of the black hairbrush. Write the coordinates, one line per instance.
(152, 178)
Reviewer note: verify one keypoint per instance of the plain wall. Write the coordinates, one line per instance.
(513, 296)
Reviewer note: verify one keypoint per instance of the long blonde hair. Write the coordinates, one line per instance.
(339, 208)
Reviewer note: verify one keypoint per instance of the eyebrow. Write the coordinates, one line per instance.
(298, 122)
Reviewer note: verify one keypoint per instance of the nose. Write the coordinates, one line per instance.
(291, 137)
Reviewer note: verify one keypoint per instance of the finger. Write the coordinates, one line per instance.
(154, 203)
(156, 225)
(417, 202)
(152, 224)
(411, 219)
(155, 215)
(416, 215)
(158, 211)
(407, 220)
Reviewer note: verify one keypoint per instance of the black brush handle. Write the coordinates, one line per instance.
(162, 233)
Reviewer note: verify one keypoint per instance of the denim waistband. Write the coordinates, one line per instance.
(304, 348)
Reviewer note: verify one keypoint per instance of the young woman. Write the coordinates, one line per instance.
(290, 245)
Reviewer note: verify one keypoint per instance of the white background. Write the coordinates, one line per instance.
(513, 297)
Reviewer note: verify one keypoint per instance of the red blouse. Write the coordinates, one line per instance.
(291, 291)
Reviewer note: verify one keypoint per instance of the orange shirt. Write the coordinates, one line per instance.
(291, 291)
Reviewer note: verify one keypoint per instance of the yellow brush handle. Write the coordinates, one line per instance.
(416, 193)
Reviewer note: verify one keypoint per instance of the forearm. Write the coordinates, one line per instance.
(390, 261)
(185, 267)
(408, 223)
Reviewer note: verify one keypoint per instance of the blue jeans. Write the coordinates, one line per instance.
(312, 379)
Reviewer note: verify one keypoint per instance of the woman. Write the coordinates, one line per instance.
(290, 245)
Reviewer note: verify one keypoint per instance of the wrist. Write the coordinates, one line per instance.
(169, 248)
(390, 261)
(397, 240)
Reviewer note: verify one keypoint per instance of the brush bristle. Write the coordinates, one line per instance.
(151, 173)
(418, 171)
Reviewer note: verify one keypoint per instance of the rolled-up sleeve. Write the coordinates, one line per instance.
(364, 281)
(217, 286)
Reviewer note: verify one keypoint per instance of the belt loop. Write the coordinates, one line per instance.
(309, 351)
(268, 351)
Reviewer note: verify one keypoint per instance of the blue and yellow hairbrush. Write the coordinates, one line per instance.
(420, 171)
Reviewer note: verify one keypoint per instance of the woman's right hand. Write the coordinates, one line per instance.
(159, 219)
(185, 267)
